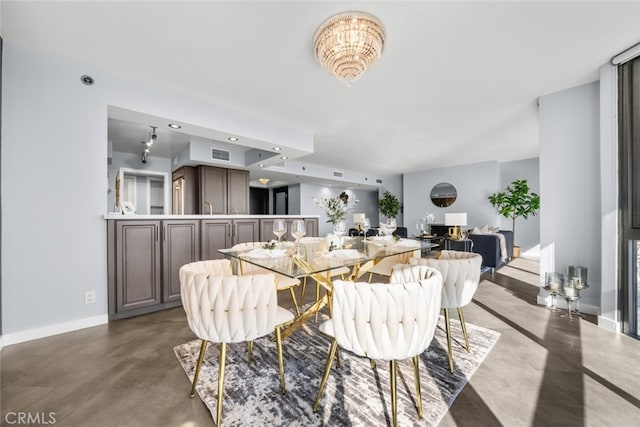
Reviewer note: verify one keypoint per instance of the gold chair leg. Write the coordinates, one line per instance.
(464, 329)
(304, 288)
(394, 394)
(295, 301)
(203, 348)
(280, 361)
(416, 374)
(317, 297)
(370, 277)
(372, 363)
(223, 357)
(327, 369)
(249, 351)
(448, 329)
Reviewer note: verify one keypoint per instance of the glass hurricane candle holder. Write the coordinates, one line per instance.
(578, 275)
(553, 284)
(570, 294)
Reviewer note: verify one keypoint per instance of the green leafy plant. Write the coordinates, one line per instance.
(389, 205)
(516, 201)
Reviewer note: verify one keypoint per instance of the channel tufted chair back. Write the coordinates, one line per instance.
(392, 322)
(283, 283)
(460, 279)
(223, 308)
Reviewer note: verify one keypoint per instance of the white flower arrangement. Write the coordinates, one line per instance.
(334, 207)
(429, 218)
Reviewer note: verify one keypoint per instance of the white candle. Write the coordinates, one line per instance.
(358, 218)
(554, 286)
(569, 292)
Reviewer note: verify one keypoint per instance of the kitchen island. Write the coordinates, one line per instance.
(145, 253)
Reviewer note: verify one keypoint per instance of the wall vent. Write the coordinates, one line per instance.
(378, 181)
(338, 174)
(219, 154)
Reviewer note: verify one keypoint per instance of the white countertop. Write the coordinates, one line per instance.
(114, 215)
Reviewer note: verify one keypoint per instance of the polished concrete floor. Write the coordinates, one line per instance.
(545, 370)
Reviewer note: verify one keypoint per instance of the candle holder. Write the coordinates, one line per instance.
(578, 275)
(571, 295)
(553, 284)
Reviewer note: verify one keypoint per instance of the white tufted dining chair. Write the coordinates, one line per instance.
(385, 321)
(283, 283)
(225, 309)
(460, 279)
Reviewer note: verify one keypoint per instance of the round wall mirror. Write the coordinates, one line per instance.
(443, 194)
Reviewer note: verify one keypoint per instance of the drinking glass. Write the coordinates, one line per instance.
(391, 225)
(298, 231)
(365, 225)
(279, 228)
(340, 229)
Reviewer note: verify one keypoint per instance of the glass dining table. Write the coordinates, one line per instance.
(311, 258)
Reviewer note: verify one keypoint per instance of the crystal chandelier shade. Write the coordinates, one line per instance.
(349, 42)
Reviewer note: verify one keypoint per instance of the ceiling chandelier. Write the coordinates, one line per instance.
(349, 42)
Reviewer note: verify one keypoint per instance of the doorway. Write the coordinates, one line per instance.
(258, 201)
(281, 201)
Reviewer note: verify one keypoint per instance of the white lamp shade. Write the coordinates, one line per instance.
(455, 219)
(358, 218)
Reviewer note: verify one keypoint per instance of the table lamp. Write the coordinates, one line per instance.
(357, 219)
(455, 221)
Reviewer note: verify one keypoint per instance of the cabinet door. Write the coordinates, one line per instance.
(138, 271)
(238, 191)
(214, 234)
(246, 230)
(311, 224)
(213, 189)
(181, 245)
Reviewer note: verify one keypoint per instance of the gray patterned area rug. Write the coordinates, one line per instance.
(355, 395)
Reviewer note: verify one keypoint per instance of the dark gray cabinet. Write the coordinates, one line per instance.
(223, 233)
(137, 261)
(144, 258)
(238, 191)
(213, 190)
(180, 246)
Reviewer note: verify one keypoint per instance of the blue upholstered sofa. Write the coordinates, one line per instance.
(487, 245)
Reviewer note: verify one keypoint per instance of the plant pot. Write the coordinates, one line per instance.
(516, 251)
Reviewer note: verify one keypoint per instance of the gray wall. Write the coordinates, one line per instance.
(474, 183)
(570, 217)
(367, 203)
(57, 127)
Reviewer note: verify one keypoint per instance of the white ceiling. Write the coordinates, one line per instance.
(458, 82)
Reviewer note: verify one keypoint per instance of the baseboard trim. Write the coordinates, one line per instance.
(59, 328)
(610, 325)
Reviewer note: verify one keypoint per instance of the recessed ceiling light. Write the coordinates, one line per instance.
(277, 148)
(174, 126)
(233, 139)
(284, 157)
(261, 165)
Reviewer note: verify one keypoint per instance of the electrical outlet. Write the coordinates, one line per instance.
(90, 297)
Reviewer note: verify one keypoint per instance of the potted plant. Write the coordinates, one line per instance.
(389, 205)
(516, 201)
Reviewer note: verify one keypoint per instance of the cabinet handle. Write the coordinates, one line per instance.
(164, 233)
(157, 234)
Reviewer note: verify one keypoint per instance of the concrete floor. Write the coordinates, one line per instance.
(545, 370)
